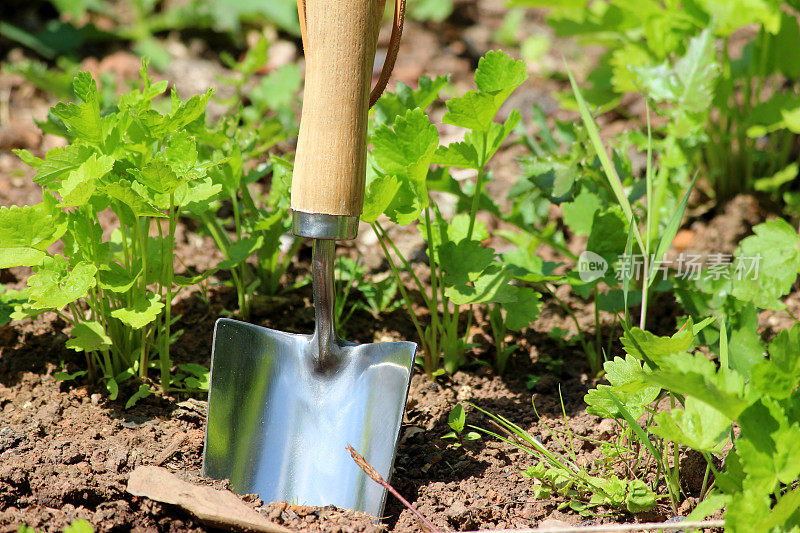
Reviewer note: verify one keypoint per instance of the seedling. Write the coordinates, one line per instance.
(560, 472)
(464, 272)
(115, 292)
(457, 420)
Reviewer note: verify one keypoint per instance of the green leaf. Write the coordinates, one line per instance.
(407, 149)
(53, 285)
(85, 87)
(141, 313)
(82, 120)
(498, 73)
(745, 348)
(457, 418)
(787, 38)
(89, 336)
(79, 526)
(80, 184)
(143, 392)
(64, 376)
(473, 111)
(697, 73)
(731, 16)
(278, 89)
(707, 507)
(697, 426)
(240, 251)
(464, 261)
(159, 177)
(695, 375)
(199, 195)
(122, 191)
(608, 237)
(458, 154)
(379, 194)
(29, 230)
(115, 278)
(458, 228)
(628, 386)
(779, 376)
(767, 264)
(188, 112)
(9, 300)
(181, 152)
(199, 378)
(579, 214)
(490, 286)
(747, 508)
(779, 179)
(784, 515)
(645, 345)
(60, 161)
(391, 105)
(769, 446)
(639, 498)
(524, 310)
(28, 158)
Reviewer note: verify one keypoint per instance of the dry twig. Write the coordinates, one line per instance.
(372, 473)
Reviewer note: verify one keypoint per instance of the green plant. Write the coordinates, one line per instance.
(113, 285)
(464, 272)
(9, 300)
(708, 399)
(601, 198)
(457, 420)
(757, 483)
(561, 473)
(253, 220)
(77, 526)
(430, 10)
(348, 273)
(735, 113)
(373, 296)
(141, 22)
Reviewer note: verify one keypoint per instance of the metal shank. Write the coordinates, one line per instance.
(321, 226)
(326, 352)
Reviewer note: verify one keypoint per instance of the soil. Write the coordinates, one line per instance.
(66, 449)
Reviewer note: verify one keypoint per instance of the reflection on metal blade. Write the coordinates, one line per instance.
(278, 427)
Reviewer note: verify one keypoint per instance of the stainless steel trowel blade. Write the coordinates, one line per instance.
(278, 428)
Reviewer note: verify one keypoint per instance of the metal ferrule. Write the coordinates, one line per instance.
(320, 226)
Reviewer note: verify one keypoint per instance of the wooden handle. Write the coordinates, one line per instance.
(330, 165)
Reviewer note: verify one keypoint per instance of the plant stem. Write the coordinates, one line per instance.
(476, 197)
(164, 355)
(406, 264)
(396, 274)
(434, 307)
(598, 336)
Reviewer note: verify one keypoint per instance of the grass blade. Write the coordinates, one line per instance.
(608, 167)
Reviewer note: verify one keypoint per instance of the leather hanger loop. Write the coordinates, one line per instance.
(391, 54)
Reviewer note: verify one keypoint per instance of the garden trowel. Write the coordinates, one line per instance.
(282, 407)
